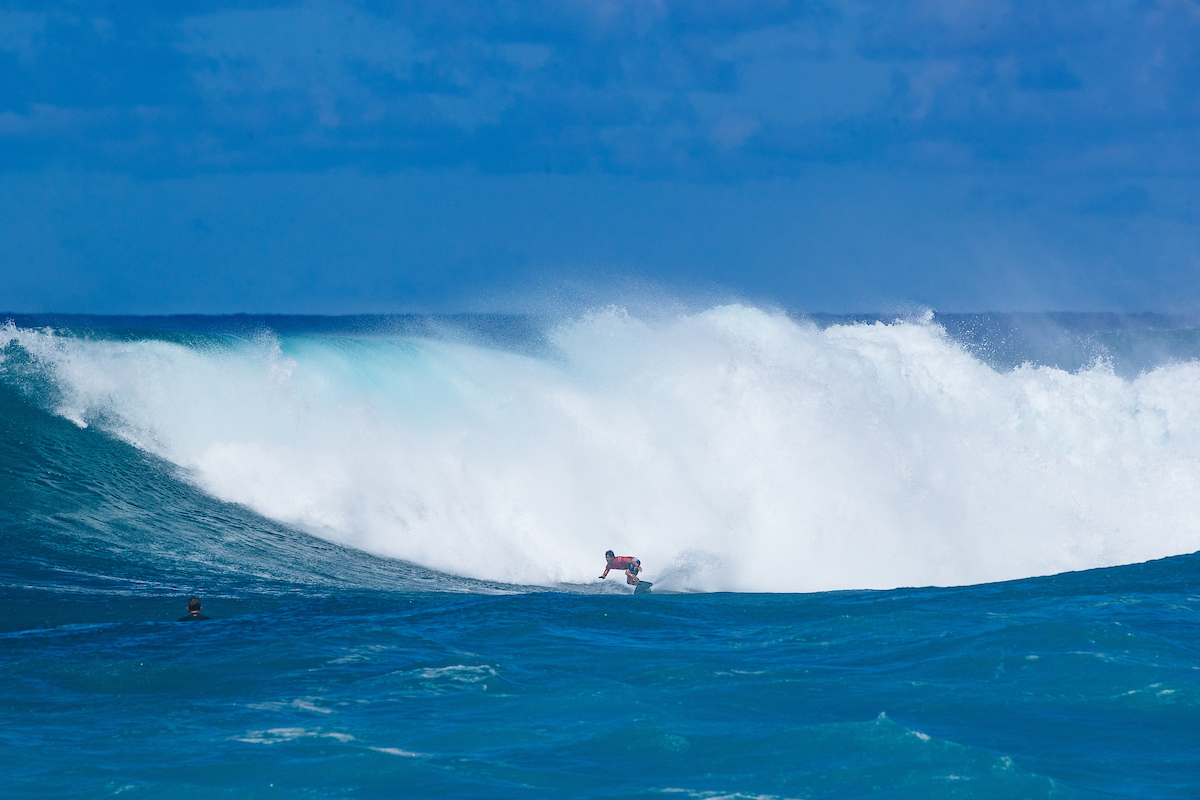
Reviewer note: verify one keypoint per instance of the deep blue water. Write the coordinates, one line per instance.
(330, 670)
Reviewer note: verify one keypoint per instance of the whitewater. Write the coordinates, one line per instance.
(731, 449)
(396, 524)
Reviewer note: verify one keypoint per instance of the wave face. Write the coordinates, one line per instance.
(730, 449)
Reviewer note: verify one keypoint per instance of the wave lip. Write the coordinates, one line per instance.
(730, 449)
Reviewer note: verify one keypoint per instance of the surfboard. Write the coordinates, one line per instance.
(643, 587)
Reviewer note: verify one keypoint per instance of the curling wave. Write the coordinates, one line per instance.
(732, 449)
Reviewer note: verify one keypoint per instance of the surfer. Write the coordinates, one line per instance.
(193, 611)
(631, 565)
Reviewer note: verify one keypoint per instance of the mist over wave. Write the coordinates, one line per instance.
(731, 449)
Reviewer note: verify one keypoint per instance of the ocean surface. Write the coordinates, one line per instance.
(934, 557)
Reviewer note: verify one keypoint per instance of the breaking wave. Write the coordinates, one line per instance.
(730, 449)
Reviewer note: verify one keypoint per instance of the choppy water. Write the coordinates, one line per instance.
(396, 522)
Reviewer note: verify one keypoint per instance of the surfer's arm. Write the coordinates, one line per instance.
(606, 569)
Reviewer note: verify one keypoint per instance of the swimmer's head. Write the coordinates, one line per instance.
(193, 604)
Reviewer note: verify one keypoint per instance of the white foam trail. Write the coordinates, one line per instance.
(732, 449)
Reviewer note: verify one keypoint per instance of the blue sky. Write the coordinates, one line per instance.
(338, 157)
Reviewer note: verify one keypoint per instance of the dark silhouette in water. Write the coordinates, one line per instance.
(193, 611)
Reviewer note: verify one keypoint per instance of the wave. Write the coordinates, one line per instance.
(730, 449)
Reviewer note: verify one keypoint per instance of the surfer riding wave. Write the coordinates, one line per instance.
(631, 565)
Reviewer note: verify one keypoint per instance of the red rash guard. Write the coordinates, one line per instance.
(622, 562)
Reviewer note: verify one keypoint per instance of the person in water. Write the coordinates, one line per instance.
(193, 611)
(631, 565)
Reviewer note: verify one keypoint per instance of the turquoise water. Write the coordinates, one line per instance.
(348, 657)
(1075, 687)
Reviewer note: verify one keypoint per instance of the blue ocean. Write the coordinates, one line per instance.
(935, 556)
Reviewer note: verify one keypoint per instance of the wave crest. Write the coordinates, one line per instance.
(732, 449)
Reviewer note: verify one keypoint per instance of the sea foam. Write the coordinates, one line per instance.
(731, 449)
